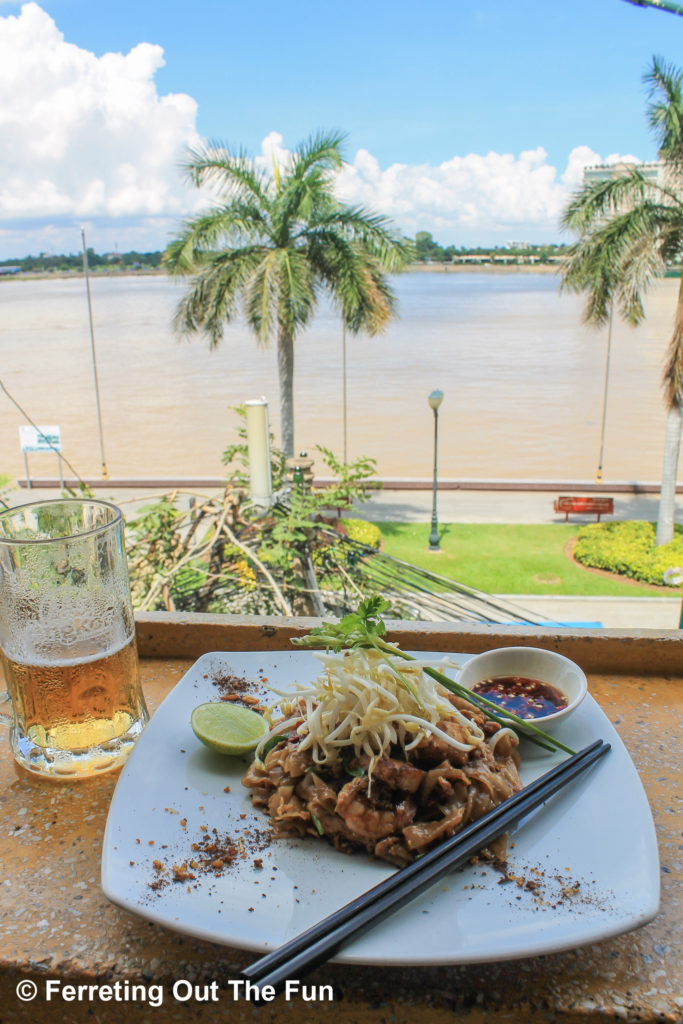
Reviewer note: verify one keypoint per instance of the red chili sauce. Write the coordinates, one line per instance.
(524, 697)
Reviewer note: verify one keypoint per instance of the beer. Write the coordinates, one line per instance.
(67, 638)
(76, 703)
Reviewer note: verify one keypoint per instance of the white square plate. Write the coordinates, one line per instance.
(590, 854)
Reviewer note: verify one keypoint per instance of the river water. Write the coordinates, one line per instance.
(522, 378)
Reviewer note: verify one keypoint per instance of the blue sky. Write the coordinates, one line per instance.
(471, 120)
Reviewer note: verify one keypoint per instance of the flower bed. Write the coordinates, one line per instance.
(628, 548)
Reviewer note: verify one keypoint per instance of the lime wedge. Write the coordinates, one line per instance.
(228, 728)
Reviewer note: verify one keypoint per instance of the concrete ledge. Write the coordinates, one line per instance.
(189, 635)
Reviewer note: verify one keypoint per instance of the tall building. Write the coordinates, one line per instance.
(653, 172)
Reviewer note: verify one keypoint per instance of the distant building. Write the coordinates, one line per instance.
(653, 172)
(472, 258)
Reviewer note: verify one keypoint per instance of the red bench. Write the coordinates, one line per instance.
(343, 506)
(586, 506)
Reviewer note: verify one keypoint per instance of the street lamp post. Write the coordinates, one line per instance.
(435, 400)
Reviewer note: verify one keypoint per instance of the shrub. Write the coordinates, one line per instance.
(363, 532)
(5, 481)
(628, 548)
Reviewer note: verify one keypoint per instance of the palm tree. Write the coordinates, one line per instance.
(272, 244)
(629, 229)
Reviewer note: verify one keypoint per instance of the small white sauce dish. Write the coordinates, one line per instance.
(533, 663)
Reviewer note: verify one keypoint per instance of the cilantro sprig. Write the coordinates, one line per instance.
(365, 628)
(359, 629)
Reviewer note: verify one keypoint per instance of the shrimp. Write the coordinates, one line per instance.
(398, 774)
(369, 818)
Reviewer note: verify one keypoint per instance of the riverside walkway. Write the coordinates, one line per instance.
(410, 500)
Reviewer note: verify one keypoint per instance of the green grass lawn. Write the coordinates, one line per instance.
(509, 559)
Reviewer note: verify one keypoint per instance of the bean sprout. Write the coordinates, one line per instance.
(369, 702)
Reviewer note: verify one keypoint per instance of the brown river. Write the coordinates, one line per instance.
(523, 381)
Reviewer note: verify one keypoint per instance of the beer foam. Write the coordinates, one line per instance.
(62, 625)
(68, 656)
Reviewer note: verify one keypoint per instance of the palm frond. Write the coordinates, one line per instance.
(378, 306)
(355, 281)
(236, 173)
(217, 288)
(373, 232)
(619, 257)
(305, 187)
(672, 377)
(233, 225)
(641, 264)
(600, 199)
(590, 269)
(671, 243)
(665, 114)
(262, 298)
(180, 257)
(322, 150)
(298, 289)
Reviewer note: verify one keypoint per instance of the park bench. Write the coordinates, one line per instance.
(340, 508)
(584, 505)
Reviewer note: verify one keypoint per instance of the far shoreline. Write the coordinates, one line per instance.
(484, 268)
(415, 268)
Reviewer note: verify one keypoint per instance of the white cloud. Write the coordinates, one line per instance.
(272, 153)
(86, 136)
(88, 139)
(471, 198)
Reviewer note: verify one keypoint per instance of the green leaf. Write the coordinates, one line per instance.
(273, 742)
(316, 822)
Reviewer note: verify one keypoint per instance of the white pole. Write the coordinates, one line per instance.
(258, 440)
(598, 475)
(346, 454)
(105, 474)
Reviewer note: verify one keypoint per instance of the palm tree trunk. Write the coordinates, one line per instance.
(285, 366)
(667, 498)
(673, 385)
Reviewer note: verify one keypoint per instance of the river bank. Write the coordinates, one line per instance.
(67, 275)
(415, 268)
(485, 268)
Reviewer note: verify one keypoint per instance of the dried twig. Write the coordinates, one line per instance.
(279, 596)
(192, 554)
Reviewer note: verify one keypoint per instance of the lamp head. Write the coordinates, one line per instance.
(435, 399)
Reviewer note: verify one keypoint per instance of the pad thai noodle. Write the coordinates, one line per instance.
(375, 755)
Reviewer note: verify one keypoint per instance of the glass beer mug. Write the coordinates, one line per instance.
(67, 638)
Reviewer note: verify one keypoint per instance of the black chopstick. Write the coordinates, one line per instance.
(318, 943)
